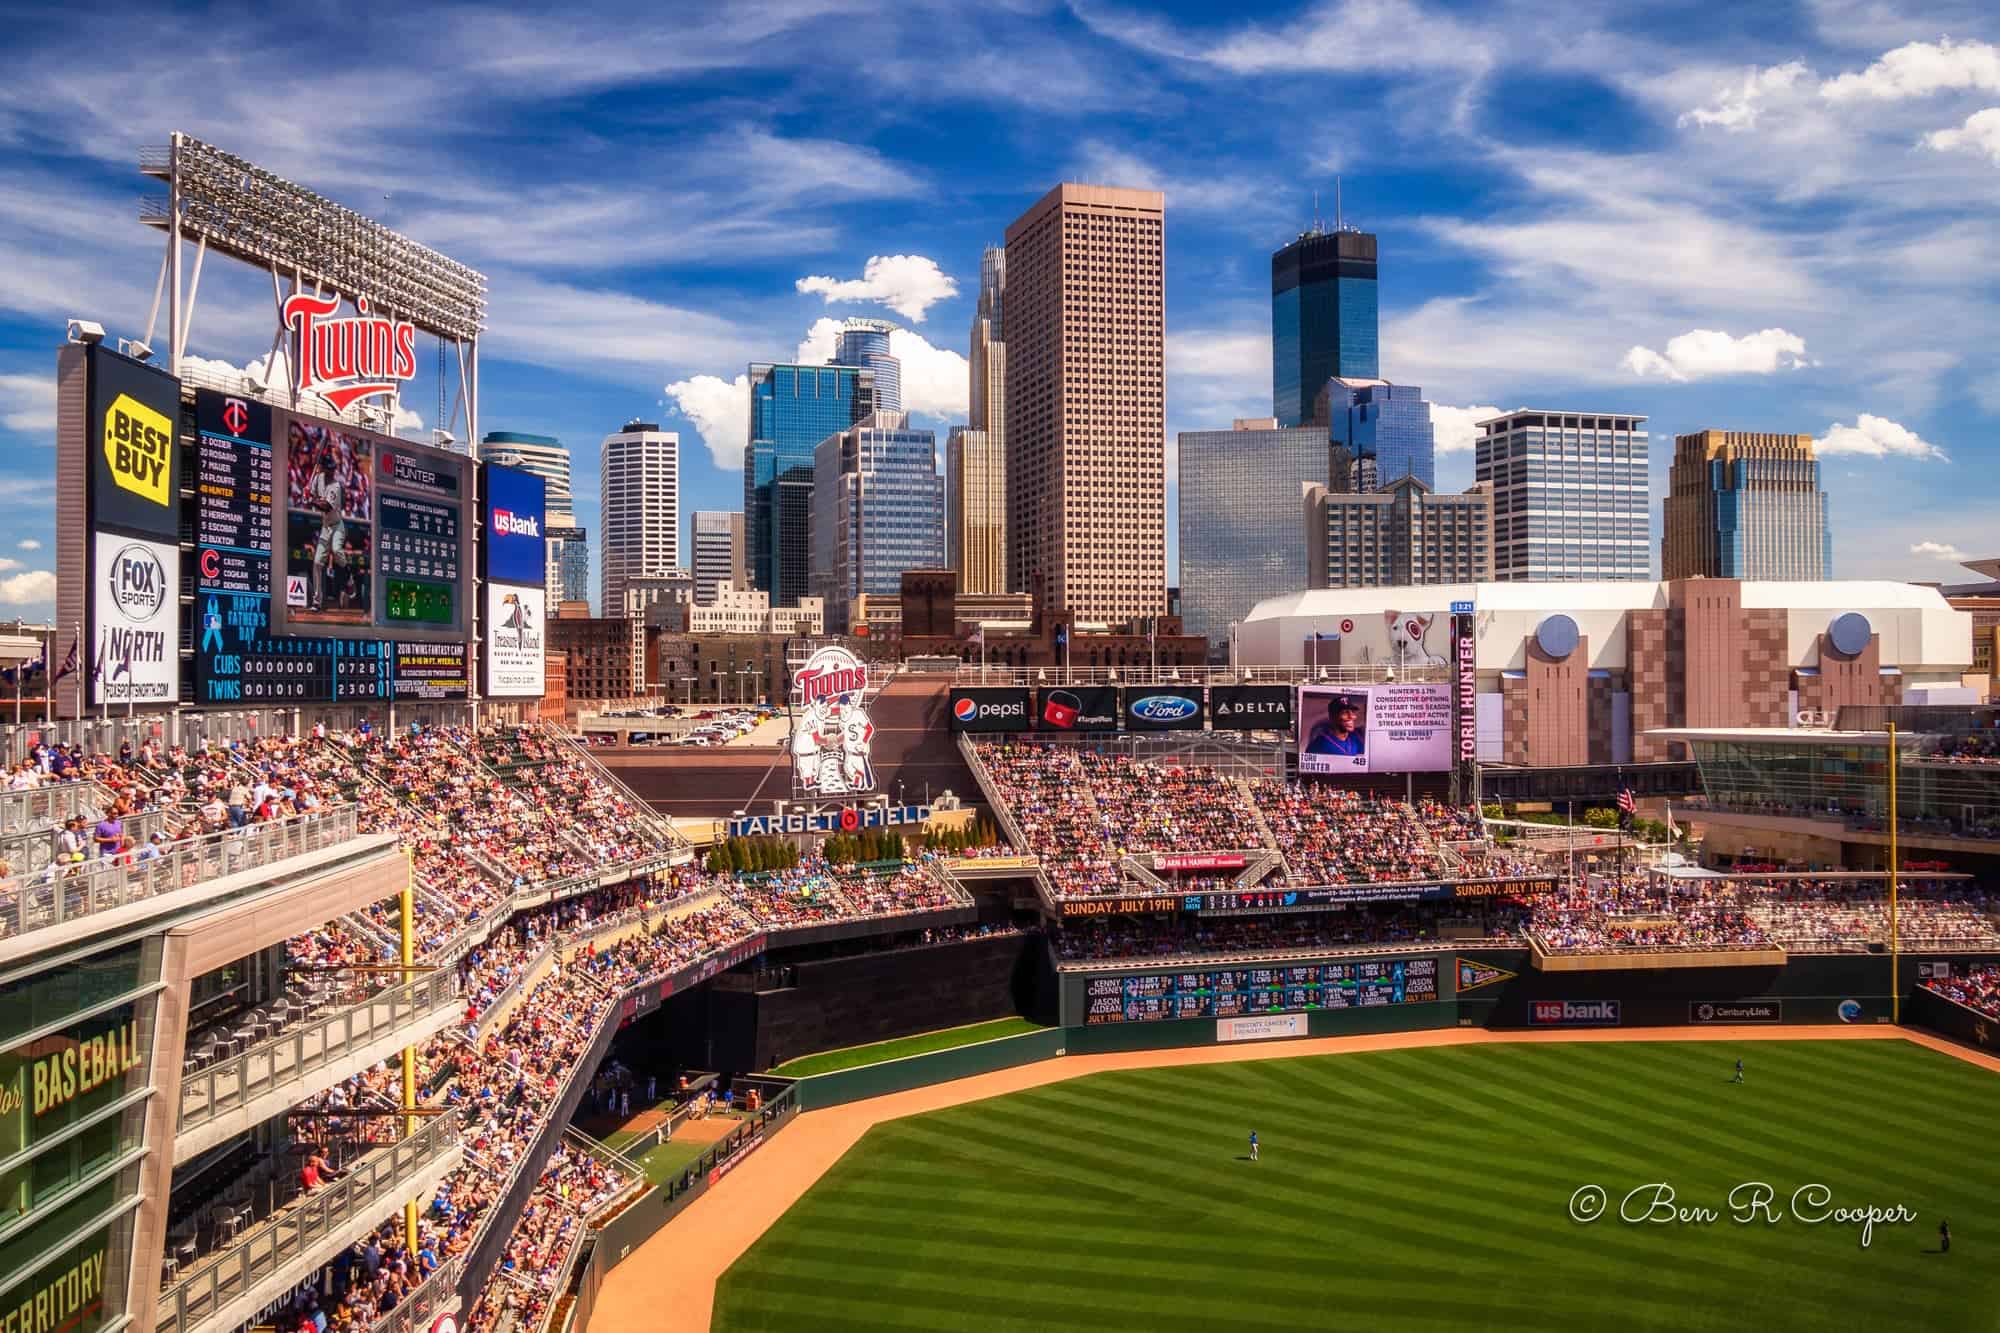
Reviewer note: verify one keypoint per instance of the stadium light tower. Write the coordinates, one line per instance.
(321, 251)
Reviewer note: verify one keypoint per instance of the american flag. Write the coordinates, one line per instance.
(1627, 803)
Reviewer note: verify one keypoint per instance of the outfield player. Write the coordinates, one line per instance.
(1253, 1145)
(328, 498)
(1739, 1071)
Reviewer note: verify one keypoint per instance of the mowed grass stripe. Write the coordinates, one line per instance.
(1116, 1201)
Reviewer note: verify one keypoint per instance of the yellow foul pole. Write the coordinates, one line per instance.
(409, 942)
(1895, 864)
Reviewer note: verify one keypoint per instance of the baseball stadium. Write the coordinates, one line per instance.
(341, 987)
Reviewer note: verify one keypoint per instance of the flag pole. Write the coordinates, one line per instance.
(1895, 937)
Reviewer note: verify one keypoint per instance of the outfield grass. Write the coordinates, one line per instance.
(1407, 1189)
(875, 1052)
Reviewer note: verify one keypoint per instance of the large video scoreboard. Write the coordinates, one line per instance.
(1229, 992)
(389, 599)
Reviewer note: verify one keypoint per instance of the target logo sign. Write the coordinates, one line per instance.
(1346, 626)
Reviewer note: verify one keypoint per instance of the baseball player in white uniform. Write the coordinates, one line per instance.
(328, 499)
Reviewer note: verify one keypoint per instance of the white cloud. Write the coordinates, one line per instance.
(1917, 69)
(1456, 429)
(8, 563)
(720, 411)
(28, 403)
(1979, 134)
(1701, 354)
(1937, 551)
(27, 544)
(409, 425)
(906, 284)
(37, 585)
(936, 380)
(816, 348)
(1738, 107)
(1877, 437)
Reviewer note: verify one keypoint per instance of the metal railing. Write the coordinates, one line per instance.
(423, 1303)
(271, 1065)
(40, 808)
(373, 1184)
(61, 895)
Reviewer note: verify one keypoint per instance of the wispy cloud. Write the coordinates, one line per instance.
(28, 405)
(1919, 69)
(1937, 551)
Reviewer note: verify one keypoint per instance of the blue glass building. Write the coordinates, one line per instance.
(878, 509)
(865, 343)
(1386, 427)
(1323, 318)
(792, 408)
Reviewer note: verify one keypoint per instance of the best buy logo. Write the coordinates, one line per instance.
(138, 445)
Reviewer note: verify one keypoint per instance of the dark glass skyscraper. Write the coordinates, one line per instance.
(1323, 318)
(792, 408)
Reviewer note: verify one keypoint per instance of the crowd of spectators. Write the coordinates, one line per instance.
(1133, 939)
(1605, 917)
(1978, 747)
(1332, 835)
(1813, 915)
(1050, 795)
(1979, 989)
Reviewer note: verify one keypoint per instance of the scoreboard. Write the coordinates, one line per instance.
(238, 659)
(1229, 992)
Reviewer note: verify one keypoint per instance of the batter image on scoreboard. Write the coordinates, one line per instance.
(328, 497)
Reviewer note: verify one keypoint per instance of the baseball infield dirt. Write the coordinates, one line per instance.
(669, 1282)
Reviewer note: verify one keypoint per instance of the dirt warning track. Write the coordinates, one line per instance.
(668, 1283)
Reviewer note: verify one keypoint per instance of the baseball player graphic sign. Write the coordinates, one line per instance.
(831, 731)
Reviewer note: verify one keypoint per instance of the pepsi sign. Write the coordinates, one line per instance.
(1160, 708)
(995, 709)
(515, 509)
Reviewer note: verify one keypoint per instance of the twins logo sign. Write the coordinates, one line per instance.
(831, 731)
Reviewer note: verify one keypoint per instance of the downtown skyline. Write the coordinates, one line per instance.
(1779, 224)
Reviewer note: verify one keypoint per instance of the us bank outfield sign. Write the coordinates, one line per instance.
(846, 819)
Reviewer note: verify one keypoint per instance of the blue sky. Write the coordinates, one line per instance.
(1778, 216)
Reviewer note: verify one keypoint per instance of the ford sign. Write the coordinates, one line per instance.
(1159, 708)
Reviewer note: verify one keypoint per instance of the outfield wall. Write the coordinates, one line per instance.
(834, 1003)
(1501, 988)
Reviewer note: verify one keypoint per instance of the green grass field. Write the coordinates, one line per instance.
(1409, 1189)
(875, 1052)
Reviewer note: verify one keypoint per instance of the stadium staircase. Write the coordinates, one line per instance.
(1246, 879)
(1135, 867)
(661, 829)
(990, 789)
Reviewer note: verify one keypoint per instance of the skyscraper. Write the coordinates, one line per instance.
(1239, 521)
(878, 509)
(1745, 505)
(975, 510)
(569, 564)
(548, 458)
(1570, 495)
(976, 454)
(1386, 427)
(1086, 409)
(715, 550)
(792, 408)
(640, 483)
(544, 455)
(1323, 318)
(864, 343)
